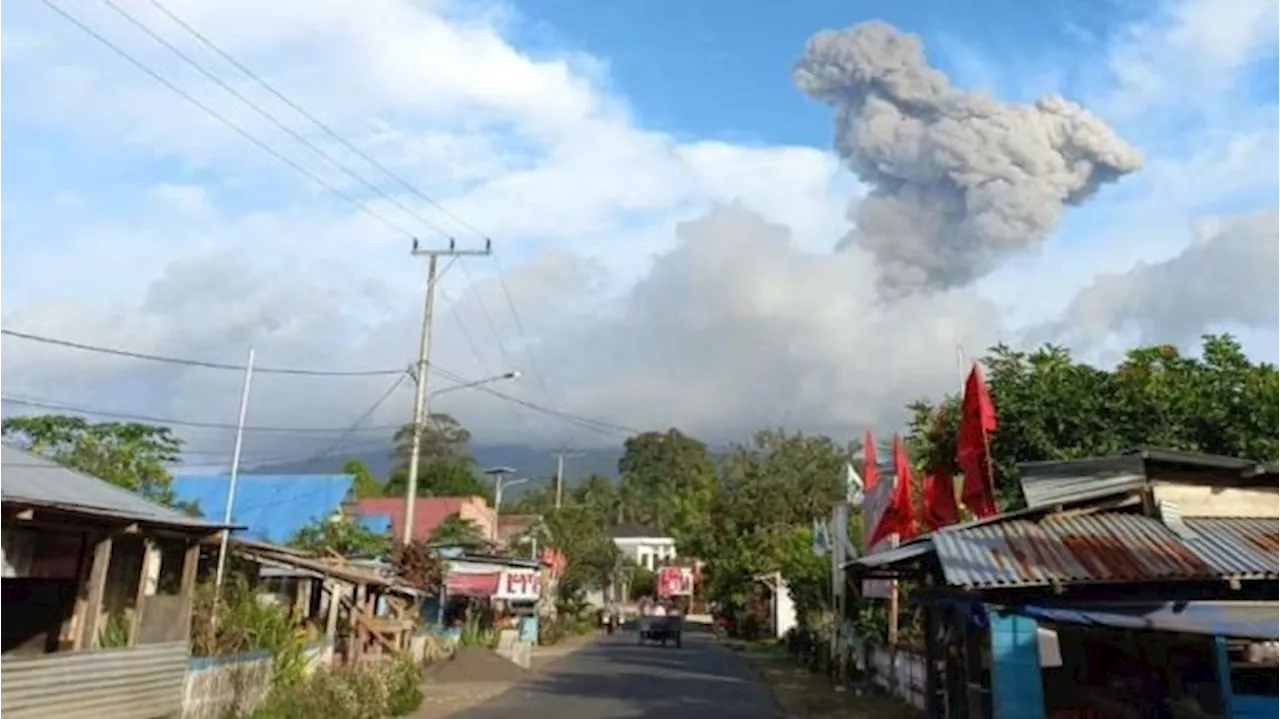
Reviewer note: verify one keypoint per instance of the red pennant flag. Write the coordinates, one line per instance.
(870, 470)
(899, 516)
(940, 507)
(977, 422)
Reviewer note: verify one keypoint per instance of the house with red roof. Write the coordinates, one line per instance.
(429, 513)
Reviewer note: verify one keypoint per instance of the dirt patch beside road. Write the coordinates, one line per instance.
(805, 695)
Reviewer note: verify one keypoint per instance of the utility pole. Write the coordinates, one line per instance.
(560, 458)
(231, 485)
(420, 410)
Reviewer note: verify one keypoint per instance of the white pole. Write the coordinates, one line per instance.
(235, 475)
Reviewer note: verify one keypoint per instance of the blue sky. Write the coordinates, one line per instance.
(719, 68)
(584, 137)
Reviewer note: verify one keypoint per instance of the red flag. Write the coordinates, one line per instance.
(870, 470)
(939, 501)
(899, 516)
(977, 422)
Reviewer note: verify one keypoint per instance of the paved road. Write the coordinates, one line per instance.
(615, 679)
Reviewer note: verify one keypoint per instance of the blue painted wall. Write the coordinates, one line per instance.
(1017, 688)
(1240, 706)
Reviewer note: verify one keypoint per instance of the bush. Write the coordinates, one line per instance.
(371, 692)
(245, 624)
(550, 631)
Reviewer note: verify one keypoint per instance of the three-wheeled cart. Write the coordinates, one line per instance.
(659, 629)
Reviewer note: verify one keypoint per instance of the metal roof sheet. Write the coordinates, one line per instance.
(1102, 548)
(1236, 546)
(904, 553)
(1250, 620)
(36, 481)
(1049, 483)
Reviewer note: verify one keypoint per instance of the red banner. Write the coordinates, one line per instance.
(472, 585)
(675, 582)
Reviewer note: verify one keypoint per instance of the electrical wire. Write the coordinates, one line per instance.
(336, 163)
(260, 144)
(58, 406)
(197, 363)
(336, 136)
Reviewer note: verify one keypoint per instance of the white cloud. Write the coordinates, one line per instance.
(658, 281)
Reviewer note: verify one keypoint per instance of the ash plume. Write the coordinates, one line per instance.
(957, 180)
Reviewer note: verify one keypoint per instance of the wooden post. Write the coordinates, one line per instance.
(892, 617)
(88, 637)
(187, 590)
(149, 558)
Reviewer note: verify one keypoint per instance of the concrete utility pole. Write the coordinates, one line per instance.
(560, 458)
(420, 409)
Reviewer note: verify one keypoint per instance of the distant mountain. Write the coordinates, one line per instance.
(532, 462)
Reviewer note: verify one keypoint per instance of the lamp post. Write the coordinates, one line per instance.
(500, 483)
(420, 415)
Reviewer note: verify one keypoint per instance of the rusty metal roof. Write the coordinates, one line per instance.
(1236, 546)
(1104, 548)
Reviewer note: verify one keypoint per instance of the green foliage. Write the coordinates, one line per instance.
(244, 624)
(444, 439)
(370, 691)
(474, 635)
(1052, 407)
(457, 531)
(451, 478)
(770, 492)
(592, 559)
(365, 484)
(644, 583)
(342, 535)
(128, 454)
(668, 483)
(116, 633)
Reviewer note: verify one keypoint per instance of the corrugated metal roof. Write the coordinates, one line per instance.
(904, 553)
(1102, 548)
(1048, 483)
(35, 481)
(1252, 620)
(272, 507)
(1236, 546)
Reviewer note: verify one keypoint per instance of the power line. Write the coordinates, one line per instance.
(197, 363)
(58, 406)
(337, 137)
(265, 147)
(338, 164)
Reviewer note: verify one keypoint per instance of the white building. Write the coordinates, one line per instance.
(646, 547)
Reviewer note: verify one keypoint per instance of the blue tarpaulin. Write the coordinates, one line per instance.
(272, 507)
(1240, 620)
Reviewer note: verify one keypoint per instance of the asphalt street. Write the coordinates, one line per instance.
(616, 679)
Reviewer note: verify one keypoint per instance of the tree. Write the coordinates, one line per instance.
(1052, 407)
(457, 531)
(770, 492)
(441, 479)
(365, 484)
(342, 535)
(600, 498)
(668, 480)
(128, 454)
(444, 439)
(591, 558)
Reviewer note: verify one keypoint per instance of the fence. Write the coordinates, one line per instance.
(229, 684)
(899, 672)
(104, 683)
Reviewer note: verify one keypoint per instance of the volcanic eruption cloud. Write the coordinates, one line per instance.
(957, 179)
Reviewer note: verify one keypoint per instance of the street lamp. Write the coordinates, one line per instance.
(500, 482)
(514, 374)
(420, 414)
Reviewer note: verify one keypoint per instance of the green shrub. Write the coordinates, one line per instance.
(375, 691)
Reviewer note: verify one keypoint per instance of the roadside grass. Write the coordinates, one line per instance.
(806, 695)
